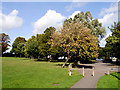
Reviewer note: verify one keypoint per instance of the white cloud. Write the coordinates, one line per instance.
(51, 18)
(103, 41)
(75, 5)
(109, 16)
(112, 9)
(109, 19)
(60, 25)
(75, 12)
(10, 21)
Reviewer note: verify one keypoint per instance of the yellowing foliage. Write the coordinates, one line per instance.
(76, 39)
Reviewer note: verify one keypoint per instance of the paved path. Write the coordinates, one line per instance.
(89, 81)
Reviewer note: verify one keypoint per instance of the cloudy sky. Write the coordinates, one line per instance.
(29, 18)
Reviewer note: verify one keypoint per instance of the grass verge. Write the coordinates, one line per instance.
(25, 73)
(109, 81)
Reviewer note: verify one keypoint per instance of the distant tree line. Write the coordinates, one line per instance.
(4, 43)
(112, 47)
(78, 40)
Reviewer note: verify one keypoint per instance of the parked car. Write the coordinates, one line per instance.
(114, 59)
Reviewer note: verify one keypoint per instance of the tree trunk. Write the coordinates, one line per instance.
(64, 57)
(1, 54)
(20, 55)
(65, 63)
(75, 62)
(32, 58)
(66, 60)
(79, 63)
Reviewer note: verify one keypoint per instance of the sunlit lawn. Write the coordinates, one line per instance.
(109, 81)
(25, 73)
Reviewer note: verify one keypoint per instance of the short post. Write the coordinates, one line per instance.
(93, 73)
(78, 62)
(69, 68)
(70, 72)
(108, 72)
(83, 71)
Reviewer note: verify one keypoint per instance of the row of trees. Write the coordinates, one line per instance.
(4, 43)
(35, 47)
(18, 46)
(78, 39)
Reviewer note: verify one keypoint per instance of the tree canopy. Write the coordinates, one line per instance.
(89, 22)
(18, 46)
(31, 48)
(43, 47)
(76, 40)
(113, 41)
(37, 46)
(4, 42)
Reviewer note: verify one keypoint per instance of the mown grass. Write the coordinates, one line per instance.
(116, 74)
(25, 73)
(109, 81)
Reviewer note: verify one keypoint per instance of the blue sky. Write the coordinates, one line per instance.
(29, 18)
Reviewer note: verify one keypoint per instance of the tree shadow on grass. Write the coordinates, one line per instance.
(60, 60)
(26, 59)
(81, 66)
(47, 60)
(88, 62)
(66, 65)
(76, 66)
(115, 75)
(41, 60)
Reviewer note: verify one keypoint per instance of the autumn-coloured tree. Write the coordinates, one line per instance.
(88, 21)
(4, 42)
(76, 40)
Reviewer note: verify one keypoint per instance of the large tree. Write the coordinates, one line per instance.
(77, 41)
(37, 46)
(102, 53)
(20, 49)
(31, 48)
(113, 41)
(89, 22)
(18, 45)
(4, 42)
(43, 39)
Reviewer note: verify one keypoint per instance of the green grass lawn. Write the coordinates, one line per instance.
(25, 73)
(108, 81)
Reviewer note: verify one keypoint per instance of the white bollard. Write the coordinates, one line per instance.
(93, 73)
(83, 71)
(69, 66)
(70, 73)
(108, 72)
(69, 69)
